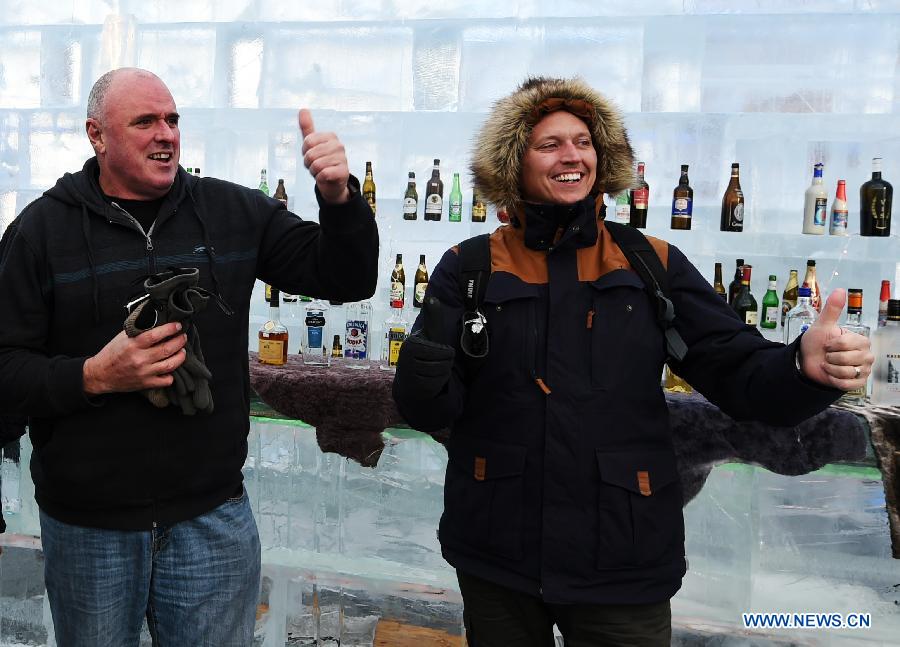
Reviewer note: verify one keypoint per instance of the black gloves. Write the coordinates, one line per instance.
(424, 366)
(173, 295)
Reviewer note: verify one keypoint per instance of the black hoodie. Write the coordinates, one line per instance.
(68, 265)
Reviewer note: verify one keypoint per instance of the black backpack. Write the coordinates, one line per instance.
(475, 271)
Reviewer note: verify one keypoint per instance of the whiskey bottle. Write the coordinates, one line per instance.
(682, 201)
(735, 286)
(745, 303)
(479, 208)
(398, 284)
(396, 329)
(801, 316)
(273, 336)
(886, 370)
(434, 193)
(640, 197)
(789, 296)
(770, 313)
(718, 286)
(411, 199)
(733, 203)
(280, 193)
(263, 184)
(368, 188)
(875, 198)
(337, 350)
(854, 324)
(420, 283)
(815, 204)
(455, 210)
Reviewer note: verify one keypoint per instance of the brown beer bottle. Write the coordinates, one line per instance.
(718, 286)
(398, 284)
(682, 201)
(420, 282)
(733, 203)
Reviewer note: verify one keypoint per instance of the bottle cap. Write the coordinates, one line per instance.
(810, 263)
(854, 299)
(885, 291)
(772, 277)
(803, 292)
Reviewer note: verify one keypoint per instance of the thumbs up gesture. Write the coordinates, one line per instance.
(832, 356)
(323, 155)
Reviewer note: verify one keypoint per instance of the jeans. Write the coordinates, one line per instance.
(196, 581)
(496, 616)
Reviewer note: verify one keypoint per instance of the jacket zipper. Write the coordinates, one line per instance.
(151, 260)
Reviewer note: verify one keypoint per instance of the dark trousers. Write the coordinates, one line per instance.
(496, 616)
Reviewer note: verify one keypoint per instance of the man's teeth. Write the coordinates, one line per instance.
(568, 177)
(165, 157)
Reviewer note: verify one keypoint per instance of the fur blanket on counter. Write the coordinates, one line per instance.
(350, 408)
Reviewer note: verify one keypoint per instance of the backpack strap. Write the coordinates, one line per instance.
(474, 274)
(646, 262)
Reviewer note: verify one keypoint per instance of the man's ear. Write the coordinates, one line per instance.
(95, 135)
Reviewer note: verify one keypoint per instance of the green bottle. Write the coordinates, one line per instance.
(263, 184)
(455, 201)
(770, 311)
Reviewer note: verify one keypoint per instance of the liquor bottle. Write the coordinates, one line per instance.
(839, 214)
(800, 317)
(886, 370)
(810, 280)
(356, 336)
(273, 336)
(815, 204)
(368, 187)
(682, 201)
(733, 203)
(263, 184)
(313, 344)
(455, 210)
(745, 303)
(623, 208)
(420, 283)
(718, 286)
(735, 286)
(674, 383)
(789, 296)
(479, 208)
(396, 329)
(770, 314)
(398, 284)
(267, 293)
(875, 204)
(411, 199)
(883, 299)
(280, 193)
(336, 349)
(854, 324)
(640, 198)
(434, 193)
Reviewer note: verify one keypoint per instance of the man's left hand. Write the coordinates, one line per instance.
(323, 155)
(832, 356)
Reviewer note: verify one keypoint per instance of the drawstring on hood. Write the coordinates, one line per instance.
(501, 144)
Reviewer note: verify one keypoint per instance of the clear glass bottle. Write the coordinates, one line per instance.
(314, 344)
(273, 335)
(770, 313)
(396, 330)
(886, 370)
(854, 324)
(357, 340)
(801, 316)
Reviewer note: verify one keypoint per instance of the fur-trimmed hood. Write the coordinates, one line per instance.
(501, 143)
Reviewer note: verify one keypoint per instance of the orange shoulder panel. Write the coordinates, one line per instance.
(606, 256)
(509, 254)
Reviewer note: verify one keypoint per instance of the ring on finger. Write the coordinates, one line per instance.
(858, 372)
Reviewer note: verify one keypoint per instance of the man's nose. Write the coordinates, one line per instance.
(164, 131)
(568, 151)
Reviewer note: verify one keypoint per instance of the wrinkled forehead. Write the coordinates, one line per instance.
(139, 93)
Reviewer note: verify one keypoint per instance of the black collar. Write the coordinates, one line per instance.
(541, 222)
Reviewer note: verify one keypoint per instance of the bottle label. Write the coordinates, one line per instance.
(737, 214)
(409, 206)
(786, 306)
(455, 213)
(623, 213)
(751, 317)
(839, 219)
(641, 197)
(879, 213)
(682, 207)
(356, 339)
(396, 337)
(269, 326)
(419, 295)
(434, 204)
(820, 215)
(771, 315)
(315, 319)
(271, 351)
(314, 336)
(397, 294)
(479, 212)
(370, 198)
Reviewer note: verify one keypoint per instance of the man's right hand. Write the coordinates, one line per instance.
(136, 363)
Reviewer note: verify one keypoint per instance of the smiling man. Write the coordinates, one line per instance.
(562, 503)
(143, 512)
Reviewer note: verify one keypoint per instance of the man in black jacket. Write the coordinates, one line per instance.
(561, 500)
(143, 511)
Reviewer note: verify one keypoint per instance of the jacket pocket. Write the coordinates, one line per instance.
(483, 494)
(510, 307)
(639, 522)
(624, 331)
